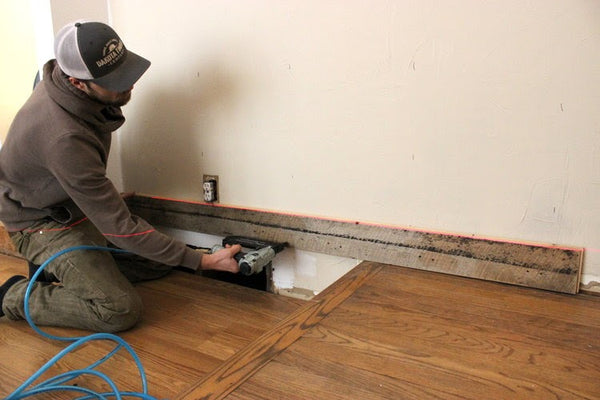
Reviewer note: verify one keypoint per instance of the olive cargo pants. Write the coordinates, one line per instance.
(94, 289)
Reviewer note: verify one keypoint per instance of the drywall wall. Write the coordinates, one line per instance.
(66, 11)
(30, 26)
(465, 116)
(18, 65)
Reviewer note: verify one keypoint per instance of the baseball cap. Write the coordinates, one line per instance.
(93, 51)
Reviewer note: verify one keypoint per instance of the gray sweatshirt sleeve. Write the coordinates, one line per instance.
(77, 163)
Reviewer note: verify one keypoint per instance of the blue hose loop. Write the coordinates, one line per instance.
(59, 382)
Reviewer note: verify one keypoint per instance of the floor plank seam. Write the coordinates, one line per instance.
(245, 363)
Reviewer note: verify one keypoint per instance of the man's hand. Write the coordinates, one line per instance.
(222, 260)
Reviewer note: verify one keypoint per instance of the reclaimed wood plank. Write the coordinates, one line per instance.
(541, 266)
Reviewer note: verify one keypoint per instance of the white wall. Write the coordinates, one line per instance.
(67, 11)
(29, 27)
(18, 63)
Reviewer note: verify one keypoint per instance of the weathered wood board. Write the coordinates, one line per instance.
(547, 267)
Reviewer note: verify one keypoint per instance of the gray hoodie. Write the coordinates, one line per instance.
(53, 165)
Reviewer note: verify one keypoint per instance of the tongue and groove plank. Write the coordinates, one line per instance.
(538, 266)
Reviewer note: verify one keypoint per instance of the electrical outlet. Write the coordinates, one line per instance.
(210, 187)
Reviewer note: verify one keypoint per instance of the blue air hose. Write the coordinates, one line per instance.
(59, 382)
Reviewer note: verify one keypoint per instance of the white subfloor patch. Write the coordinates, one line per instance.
(307, 270)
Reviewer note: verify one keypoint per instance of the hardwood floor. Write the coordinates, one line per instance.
(191, 325)
(407, 334)
(380, 332)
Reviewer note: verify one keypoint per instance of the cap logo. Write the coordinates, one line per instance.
(111, 53)
(93, 51)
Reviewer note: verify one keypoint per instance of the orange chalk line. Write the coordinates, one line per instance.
(410, 229)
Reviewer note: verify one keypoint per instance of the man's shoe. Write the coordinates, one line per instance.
(7, 285)
(42, 277)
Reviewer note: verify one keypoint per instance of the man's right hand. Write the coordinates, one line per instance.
(222, 260)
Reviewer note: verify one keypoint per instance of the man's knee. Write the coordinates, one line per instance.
(121, 313)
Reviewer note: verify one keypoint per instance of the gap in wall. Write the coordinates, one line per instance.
(294, 273)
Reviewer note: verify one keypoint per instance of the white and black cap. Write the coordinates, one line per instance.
(93, 51)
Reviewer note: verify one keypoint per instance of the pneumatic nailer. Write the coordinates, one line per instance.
(260, 255)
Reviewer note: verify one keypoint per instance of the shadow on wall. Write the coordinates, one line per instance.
(169, 135)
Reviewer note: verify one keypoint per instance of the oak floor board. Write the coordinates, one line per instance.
(570, 308)
(502, 354)
(566, 318)
(295, 376)
(462, 340)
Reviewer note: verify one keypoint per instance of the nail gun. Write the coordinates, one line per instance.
(254, 261)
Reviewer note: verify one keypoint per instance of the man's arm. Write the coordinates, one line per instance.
(81, 172)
